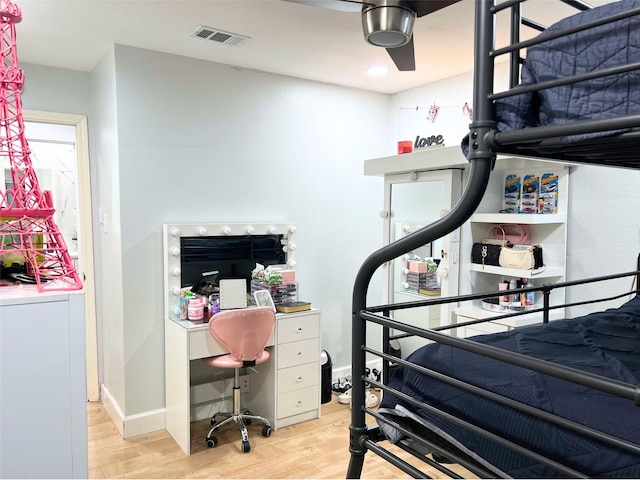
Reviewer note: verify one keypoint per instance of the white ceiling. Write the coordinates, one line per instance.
(286, 38)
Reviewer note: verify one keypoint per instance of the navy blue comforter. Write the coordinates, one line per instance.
(606, 343)
(610, 45)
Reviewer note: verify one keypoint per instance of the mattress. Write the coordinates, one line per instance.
(605, 343)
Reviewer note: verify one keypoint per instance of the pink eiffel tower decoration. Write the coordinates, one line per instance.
(29, 238)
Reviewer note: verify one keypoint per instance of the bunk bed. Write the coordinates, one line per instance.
(540, 411)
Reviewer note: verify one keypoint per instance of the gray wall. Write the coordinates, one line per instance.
(203, 142)
(56, 90)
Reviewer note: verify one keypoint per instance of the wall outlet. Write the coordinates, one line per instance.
(245, 383)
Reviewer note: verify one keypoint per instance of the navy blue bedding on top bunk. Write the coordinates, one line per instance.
(605, 343)
(610, 45)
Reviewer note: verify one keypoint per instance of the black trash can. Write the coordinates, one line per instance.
(325, 387)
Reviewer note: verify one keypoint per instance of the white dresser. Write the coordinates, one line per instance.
(43, 393)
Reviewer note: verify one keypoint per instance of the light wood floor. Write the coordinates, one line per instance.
(314, 449)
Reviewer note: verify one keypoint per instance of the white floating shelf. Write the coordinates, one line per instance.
(546, 272)
(523, 218)
(479, 313)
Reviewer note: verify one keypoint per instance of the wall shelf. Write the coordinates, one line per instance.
(521, 218)
(545, 272)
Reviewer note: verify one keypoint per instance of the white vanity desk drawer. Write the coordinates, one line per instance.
(298, 327)
(298, 353)
(299, 401)
(203, 345)
(298, 377)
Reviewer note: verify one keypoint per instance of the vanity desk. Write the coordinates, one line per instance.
(285, 389)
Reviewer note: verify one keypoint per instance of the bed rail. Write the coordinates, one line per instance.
(381, 315)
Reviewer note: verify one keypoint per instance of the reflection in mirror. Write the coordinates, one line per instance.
(413, 206)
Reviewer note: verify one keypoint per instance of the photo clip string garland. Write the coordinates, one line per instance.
(432, 115)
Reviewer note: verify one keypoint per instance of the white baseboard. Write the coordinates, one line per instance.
(132, 425)
(112, 408)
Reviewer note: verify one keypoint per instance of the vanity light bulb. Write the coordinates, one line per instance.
(201, 231)
(405, 271)
(292, 246)
(176, 290)
(250, 230)
(291, 263)
(272, 230)
(407, 257)
(176, 310)
(405, 285)
(226, 230)
(175, 251)
(419, 227)
(176, 272)
(285, 249)
(407, 228)
(292, 229)
(175, 232)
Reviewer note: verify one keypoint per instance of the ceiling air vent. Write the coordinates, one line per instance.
(219, 36)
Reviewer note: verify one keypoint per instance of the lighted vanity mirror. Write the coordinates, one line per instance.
(231, 250)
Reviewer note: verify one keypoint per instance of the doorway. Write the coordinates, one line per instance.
(60, 143)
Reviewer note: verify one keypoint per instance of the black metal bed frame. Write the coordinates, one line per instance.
(622, 150)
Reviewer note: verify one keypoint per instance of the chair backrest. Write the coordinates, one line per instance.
(243, 332)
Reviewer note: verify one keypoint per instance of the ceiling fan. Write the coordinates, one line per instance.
(387, 23)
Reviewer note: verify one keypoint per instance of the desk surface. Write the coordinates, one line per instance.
(195, 325)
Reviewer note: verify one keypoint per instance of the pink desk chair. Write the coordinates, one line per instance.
(244, 333)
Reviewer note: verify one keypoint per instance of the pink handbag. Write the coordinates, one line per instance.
(515, 233)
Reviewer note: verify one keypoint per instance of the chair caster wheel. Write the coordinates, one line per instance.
(266, 431)
(212, 442)
(246, 446)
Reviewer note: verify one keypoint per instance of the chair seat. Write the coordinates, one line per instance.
(230, 361)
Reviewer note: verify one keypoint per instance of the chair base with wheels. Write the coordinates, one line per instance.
(241, 418)
(244, 333)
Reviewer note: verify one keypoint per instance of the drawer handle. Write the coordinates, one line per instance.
(298, 403)
(299, 379)
(299, 330)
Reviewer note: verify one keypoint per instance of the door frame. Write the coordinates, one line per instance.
(85, 232)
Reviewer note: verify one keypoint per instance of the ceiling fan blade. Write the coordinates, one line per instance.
(340, 5)
(425, 7)
(403, 56)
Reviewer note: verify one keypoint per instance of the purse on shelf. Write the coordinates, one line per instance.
(485, 254)
(514, 233)
(499, 236)
(523, 257)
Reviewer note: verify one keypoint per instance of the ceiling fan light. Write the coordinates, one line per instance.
(388, 26)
